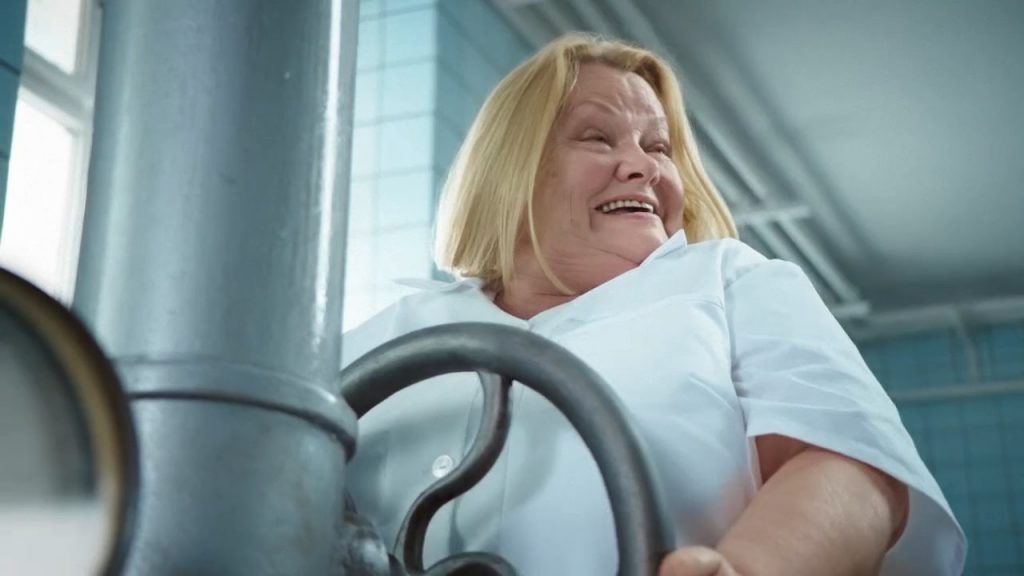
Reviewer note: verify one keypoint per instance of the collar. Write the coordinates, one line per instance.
(439, 285)
(675, 242)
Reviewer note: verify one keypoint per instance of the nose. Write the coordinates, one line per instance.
(635, 164)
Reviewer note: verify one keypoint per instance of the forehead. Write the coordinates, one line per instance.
(613, 90)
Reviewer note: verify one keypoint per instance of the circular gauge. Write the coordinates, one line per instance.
(69, 477)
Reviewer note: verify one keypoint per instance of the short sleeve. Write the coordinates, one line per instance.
(798, 374)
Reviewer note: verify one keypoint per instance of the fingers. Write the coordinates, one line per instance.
(696, 561)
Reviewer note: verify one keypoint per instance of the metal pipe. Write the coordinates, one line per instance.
(822, 263)
(770, 213)
(211, 272)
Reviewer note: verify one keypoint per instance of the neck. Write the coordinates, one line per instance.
(530, 292)
(524, 302)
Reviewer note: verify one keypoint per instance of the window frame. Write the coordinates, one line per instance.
(69, 99)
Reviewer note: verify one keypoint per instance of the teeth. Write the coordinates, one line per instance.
(606, 208)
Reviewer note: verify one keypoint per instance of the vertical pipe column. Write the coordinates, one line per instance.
(211, 272)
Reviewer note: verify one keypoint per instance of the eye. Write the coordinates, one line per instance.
(660, 148)
(598, 137)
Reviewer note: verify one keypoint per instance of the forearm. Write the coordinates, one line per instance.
(819, 513)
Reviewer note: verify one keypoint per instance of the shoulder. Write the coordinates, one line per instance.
(720, 262)
(729, 254)
(430, 304)
(740, 266)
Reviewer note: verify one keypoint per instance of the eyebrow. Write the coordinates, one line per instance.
(655, 120)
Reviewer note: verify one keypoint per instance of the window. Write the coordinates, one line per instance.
(46, 179)
(52, 31)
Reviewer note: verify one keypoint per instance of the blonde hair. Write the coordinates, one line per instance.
(490, 186)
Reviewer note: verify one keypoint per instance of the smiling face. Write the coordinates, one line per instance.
(607, 193)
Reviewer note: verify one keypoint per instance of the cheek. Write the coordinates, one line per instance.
(584, 180)
(552, 207)
(674, 199)
(572, 188)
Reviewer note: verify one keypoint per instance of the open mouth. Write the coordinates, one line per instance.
(626, 207)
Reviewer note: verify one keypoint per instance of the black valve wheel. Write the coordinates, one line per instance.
(502, 354)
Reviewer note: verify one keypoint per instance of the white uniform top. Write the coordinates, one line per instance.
(708, 345)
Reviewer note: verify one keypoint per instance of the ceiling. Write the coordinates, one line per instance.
(878, 144)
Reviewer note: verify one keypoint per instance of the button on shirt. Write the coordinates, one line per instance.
(708, 346)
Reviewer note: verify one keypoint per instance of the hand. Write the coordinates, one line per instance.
(696, 561)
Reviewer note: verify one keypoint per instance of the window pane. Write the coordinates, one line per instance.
(39, 218)
(52, 30)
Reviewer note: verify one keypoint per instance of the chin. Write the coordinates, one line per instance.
(638, 249)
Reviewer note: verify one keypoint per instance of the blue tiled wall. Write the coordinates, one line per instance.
(1001, 352)
(424, 69)
(12, 46)
(973, 444)
(393, 179)
(917, 362)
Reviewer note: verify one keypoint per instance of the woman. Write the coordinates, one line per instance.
(578, 209)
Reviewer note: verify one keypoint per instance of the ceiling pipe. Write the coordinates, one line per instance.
(845, 291)
(944, 316)
(970, 351)
(767, 232)
(770, 213)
